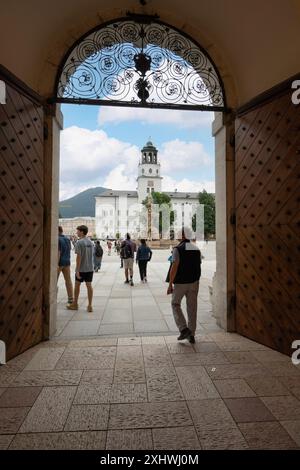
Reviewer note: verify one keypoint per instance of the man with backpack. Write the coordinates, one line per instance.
(98, 253)
(128, 248)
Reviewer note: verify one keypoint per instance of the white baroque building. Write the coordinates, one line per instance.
(116, 211)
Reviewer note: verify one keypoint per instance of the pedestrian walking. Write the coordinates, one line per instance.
(64, 262)
(98, 254)
(184, 279)
(128, 248)
(143, 255)
(84, 267)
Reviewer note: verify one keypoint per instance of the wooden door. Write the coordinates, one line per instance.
(21, 213)
(267, 169)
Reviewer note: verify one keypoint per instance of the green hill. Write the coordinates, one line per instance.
(81, 205)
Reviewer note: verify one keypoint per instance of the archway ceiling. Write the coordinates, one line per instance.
(254, 44)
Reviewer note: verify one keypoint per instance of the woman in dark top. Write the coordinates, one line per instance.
(144, 254)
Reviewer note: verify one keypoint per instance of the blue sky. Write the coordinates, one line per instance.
(101, 146)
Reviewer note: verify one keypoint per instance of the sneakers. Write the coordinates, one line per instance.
(131, 282)
(72, 306)
(126, 282)
(192, 339)
(145, 279)
(89, 308)
(185, 333)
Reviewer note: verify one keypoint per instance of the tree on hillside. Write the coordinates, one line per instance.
(209, 202)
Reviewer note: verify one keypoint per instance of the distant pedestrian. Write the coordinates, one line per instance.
(64, 262)
(109, 245)
(98, 254)
(184, 282)
(84, 267)
(128, 248)
(144, 254)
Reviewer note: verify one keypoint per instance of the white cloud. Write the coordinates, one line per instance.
(187, 185)
(178, 155)
(182, 119)
(92, 158)
(120, 178)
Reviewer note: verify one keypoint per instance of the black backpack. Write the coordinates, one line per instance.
(126, 251)
(99, 251)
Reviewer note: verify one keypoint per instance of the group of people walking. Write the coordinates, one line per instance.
(183, 277)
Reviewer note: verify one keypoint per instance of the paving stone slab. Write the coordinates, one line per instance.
(83, 440)
(149, 415)
(250, 409)
(196, 383)
(132, 439)
(47, 378)
(234, 388)
(87, 417)
(50, 410)
(181, 438)
(271, 436)
(19, 396)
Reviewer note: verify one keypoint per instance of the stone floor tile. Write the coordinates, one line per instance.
(132, 439)
(131, 341)
(82, 440)
(130, 374)
(293, 428)
(128, 393)
(292, 383)
(240, 346)
(149, 415)
(49, 378)
(18, 363)
(153, 340)
(92, 394)
(45, 359)
(222, 437)
(50, 410)
(87, 417)
(282, 369)
(163, 385)
(267, 435)
(181, 438)
(246, 410)
(81, 328)
(11, 419)
(86, 343)
(211, 412)
(196, 383)
(141, 326)
(240, 357)
(117, 316)
(181, 348)
(283, 408)
(206, 347)
(116, 329)
(19, 396)
(233, 388)
(5, 440)
(212, 358)
(236, 371)
(2, 390)
(267, 386)
(270, 356)
(97, 377)
(88, 358)
(7, 377)
(156, 355)
(96, 315)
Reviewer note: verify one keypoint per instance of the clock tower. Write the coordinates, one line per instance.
(149, 179)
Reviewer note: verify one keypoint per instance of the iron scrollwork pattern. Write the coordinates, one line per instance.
(143, 64)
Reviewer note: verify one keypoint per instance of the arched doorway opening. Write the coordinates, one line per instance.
(141, 62)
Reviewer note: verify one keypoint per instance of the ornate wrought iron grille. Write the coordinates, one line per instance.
(140, 63)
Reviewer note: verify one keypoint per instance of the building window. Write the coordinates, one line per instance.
(143, 171)
(152, 190)
(157, 172)
(150, 170)
(148, 190)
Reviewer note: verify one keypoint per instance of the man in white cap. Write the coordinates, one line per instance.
(184, 281)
